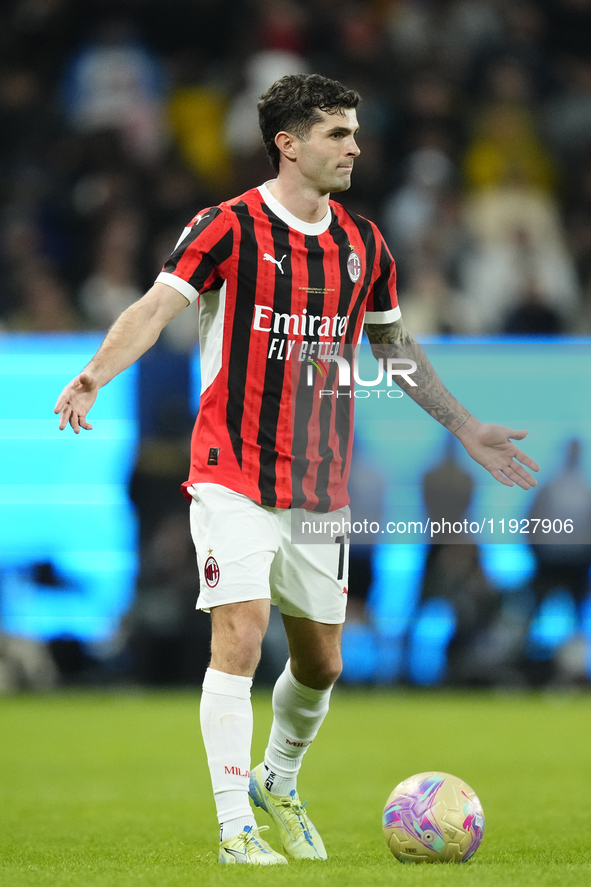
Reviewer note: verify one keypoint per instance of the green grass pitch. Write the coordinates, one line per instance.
(112, 790)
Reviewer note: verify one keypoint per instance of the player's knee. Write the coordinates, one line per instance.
(319, 674)
(236, 658)
(332, 670)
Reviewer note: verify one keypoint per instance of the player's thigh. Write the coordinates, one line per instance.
(236, 541)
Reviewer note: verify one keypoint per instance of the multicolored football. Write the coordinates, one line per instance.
(433, 817)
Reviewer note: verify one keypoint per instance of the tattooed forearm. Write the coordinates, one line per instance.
(388, 334)
(394, 340)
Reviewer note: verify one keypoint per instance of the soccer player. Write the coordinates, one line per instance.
(285, 278)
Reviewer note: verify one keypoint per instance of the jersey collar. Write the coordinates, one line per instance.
(313, 228)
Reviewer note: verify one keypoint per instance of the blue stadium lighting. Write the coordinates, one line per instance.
(554, 625)
(432, 632)
(68, 535)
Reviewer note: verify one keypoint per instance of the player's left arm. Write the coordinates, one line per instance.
(490, 445)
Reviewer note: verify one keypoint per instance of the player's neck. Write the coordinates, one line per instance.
(303, 203)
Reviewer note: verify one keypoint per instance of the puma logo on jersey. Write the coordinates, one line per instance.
(268, 258)
(200, 218)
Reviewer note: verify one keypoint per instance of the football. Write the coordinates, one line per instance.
(433, 817)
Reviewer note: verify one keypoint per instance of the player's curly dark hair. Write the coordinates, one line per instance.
(292, 105)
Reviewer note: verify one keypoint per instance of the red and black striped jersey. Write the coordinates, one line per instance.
(279, 299)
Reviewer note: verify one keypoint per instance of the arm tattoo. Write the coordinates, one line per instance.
(394, 340)
(388, 334)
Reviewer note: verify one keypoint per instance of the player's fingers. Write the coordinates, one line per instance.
(501, 478)
(515, 472)
(64, 417)
(61, 402)
(523, 483)
(74, 422)
(516, 435)
(526, 460)
(528, 479)
(86, 425)
(64, 401)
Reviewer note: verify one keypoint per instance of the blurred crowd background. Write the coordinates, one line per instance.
(120, 120)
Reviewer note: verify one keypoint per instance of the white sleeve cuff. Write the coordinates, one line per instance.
(177, 283)
(382, 316)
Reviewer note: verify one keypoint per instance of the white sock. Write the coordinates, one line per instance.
(235, 826)
(226, 725)
(298, 713)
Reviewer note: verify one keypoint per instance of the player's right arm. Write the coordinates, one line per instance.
(136, 330)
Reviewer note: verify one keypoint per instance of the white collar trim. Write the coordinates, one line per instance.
(284, 214)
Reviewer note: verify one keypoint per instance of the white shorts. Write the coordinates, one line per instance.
(245, 553)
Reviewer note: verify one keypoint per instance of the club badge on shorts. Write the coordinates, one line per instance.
(211, 572)
(354, 266)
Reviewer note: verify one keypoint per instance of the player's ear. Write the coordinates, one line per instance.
(286, 145)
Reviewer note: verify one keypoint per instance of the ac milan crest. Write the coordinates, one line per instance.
(354, 266)
(211, 572)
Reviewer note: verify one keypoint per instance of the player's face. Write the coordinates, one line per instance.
(325, 159)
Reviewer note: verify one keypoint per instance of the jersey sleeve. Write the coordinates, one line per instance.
(196, 264)
(382, 302)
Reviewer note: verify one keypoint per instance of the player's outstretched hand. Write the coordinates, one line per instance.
(492, 446)
(76, 400)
